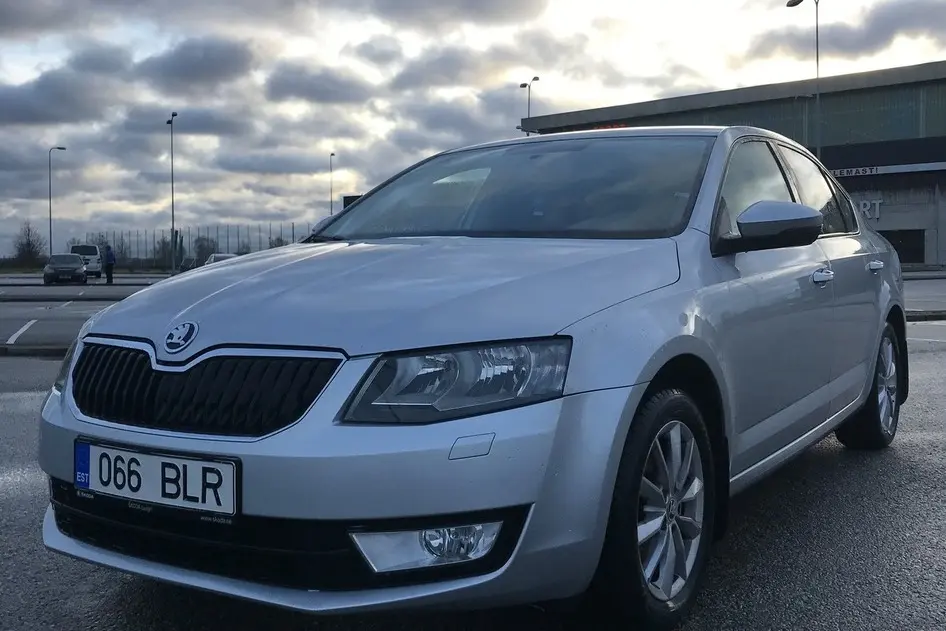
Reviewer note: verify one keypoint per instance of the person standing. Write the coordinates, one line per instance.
(109, 264)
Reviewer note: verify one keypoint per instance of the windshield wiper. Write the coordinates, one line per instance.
(318, 238)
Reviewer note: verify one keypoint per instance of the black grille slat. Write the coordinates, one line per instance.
(244, 396)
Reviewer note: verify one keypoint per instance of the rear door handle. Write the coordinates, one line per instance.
(822, 275)
(875, 266)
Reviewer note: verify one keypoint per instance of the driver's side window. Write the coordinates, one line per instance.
(753, 176)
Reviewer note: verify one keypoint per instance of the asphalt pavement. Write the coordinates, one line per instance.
(836, 541)
(44, 320)
(36, 279)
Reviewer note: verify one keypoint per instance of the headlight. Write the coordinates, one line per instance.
(440, 385)
(60, 383)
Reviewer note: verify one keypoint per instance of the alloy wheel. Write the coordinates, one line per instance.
(887, 385)
(670, 510)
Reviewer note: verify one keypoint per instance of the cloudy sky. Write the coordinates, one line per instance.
(266, 90)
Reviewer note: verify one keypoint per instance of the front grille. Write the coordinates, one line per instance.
(294, 553)
(223, 396)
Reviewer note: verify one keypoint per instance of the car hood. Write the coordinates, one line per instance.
(392, 294)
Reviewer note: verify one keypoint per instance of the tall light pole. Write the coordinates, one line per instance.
(173, 234)
(795, 3)
(51, 149)
(331, 184)
(528, 88)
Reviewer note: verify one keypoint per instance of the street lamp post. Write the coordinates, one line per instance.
(173, 233)
(331, 184)
(795, 3)
(50, 156)
(528, 88)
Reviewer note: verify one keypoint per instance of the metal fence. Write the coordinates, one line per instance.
(152, 248)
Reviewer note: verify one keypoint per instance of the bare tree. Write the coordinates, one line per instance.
(71, 242)
(122, 248)
(277, 242)
(29, 244)
(203, 248)
(244, 248)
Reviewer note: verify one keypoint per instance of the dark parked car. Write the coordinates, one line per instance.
(65, 268)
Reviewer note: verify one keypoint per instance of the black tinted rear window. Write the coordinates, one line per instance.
(65, 259)
(85, 250)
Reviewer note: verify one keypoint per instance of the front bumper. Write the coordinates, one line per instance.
(546, 471)
(65, 277)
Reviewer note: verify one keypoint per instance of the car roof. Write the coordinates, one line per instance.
(733, 131)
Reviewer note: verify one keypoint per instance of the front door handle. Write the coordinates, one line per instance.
(822, 275)
(875, 266)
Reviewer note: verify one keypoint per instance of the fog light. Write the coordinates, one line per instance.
(412, 549)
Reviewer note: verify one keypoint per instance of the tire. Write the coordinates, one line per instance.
(620, 586)
(874, 426)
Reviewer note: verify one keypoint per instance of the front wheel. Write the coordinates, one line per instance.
(875, 424)
(661, 524)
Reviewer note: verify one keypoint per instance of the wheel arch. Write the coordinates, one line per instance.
(693, 375)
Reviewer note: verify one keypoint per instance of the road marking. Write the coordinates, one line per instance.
(81, 292)
(66, 304)
(930, 323)
(23, 329)
(923, 339)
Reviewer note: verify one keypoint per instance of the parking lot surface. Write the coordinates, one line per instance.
(837, 541)
(60, 311)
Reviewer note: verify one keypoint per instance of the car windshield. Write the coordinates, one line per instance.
(85, 250)
(65, 259)
(632, 187)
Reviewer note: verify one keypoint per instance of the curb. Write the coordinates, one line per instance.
(39, 284)
(925, 316)
(12, 350)
(34, 298)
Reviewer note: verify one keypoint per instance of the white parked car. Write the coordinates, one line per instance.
(521, 371)
(92, 257)
(216, 257)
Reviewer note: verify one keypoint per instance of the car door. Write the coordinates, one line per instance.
(856, 312)
(775, 340)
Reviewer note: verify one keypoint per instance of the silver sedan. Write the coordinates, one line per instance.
(522, 371)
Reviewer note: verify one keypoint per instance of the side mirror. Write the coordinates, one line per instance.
(772, 225)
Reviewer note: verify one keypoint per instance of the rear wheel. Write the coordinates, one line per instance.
(662, 515)
(875, 424)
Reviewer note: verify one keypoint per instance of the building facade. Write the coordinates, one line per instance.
(882, 134)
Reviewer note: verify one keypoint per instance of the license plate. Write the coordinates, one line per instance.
(180, 482)
(65, 276)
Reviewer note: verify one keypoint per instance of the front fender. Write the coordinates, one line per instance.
(627, 344)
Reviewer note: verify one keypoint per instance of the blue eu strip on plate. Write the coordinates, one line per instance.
(82, 465)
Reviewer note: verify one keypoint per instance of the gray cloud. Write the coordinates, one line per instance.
(427, 15)
(98, 58)
(877, 29)
(200, 64)
(316, 85)
(58, 96)
(381, 50)
(193, 121)
(273, 162)
(451, 65)
(21, 19)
